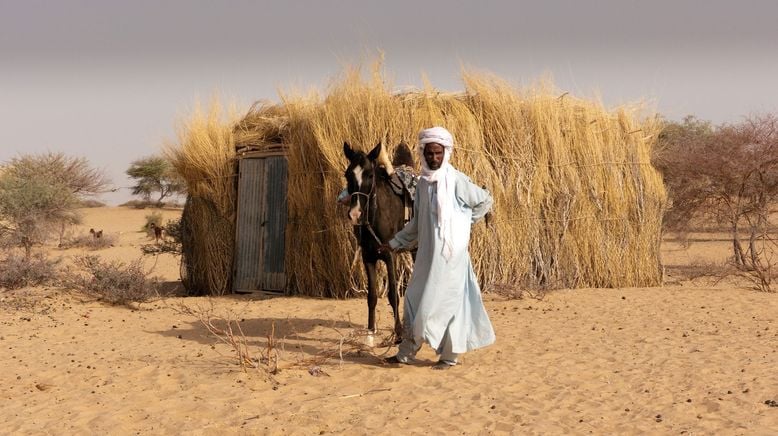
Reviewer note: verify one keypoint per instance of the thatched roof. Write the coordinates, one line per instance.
(577, 202)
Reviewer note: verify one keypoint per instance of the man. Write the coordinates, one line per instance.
(443, 305)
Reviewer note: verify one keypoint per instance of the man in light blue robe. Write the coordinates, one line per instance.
(443, 305)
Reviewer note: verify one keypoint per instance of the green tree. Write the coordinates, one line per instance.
(39, 195)
(154, 174)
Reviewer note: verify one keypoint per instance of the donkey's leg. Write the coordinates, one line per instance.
(372, 295)
(394, 296)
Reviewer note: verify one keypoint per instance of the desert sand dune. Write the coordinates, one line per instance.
(691, 358)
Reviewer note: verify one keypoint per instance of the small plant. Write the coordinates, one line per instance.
(114, 282)
(17, 271)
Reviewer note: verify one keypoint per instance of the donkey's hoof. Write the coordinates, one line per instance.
(370, 339)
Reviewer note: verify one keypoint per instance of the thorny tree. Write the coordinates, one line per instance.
(155, 174)
(39, 194)
(729, 173)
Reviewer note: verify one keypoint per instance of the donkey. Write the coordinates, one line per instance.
(377, 213)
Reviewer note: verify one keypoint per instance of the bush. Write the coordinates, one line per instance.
(90, 203)
(137, 204)
(171, 240)
(154, 217)
(173, 230)
(39, 195)
(114, 282)
(18, 271)
(143, 204)
(173, 204)
(90, 242)
(728, 173)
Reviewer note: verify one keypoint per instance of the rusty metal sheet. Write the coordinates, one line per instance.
(261, 225)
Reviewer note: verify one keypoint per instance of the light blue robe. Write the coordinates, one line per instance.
(444, 294)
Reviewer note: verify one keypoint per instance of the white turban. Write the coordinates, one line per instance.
(445, 178)
(436, 134)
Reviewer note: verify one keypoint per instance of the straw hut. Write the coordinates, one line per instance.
(577, 201)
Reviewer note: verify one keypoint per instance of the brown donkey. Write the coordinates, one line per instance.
(377, 213)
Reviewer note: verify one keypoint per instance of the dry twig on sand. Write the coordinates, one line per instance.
(267, 359)
(227, 330)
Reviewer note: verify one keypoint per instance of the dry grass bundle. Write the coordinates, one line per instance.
(577, 202)
(204, 157)
(264, 124)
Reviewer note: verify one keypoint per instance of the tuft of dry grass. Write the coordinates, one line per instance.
(577, 201)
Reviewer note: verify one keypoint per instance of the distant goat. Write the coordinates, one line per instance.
(157, 231)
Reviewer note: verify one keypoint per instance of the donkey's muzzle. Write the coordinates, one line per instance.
(355, 214)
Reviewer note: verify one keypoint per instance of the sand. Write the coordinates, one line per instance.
(690, 358)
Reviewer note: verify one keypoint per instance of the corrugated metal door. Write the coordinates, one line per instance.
(259, 244)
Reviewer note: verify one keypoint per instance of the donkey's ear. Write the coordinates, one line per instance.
(348, 151)
(375, 152)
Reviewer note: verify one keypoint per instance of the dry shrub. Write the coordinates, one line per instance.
(226, 329)
(696, 270)
(173, 230)
(91, 203)
(577, 201)
(18, 271)
(350, 343)
(113, 282)
(139, 204)
(268, 356)
(164, 246)
(89, 242)
(726, 174)
(156, 219)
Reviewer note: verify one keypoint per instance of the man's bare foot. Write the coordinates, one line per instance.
(440, 366)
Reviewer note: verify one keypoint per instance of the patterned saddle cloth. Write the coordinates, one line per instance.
(403, 183)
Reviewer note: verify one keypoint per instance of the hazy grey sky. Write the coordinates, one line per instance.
(107, 79)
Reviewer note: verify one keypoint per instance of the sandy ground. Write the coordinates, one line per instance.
(691, 358)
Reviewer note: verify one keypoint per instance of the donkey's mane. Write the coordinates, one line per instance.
(383, 161)
(402, 157)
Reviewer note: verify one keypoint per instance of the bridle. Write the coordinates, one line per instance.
(370, 199)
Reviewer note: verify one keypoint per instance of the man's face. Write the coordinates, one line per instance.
(433, 155)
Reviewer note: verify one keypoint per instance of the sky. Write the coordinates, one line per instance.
(108, 80)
